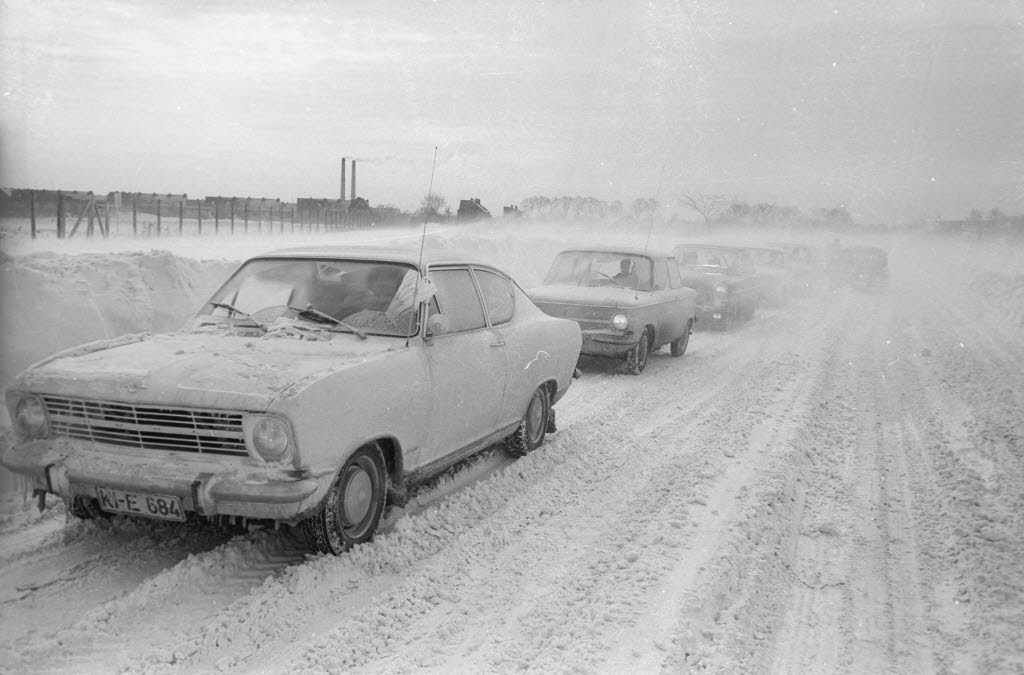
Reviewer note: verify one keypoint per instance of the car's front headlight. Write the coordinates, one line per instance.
(620, 322)
(722, 289)
(269, 437)
(30, 418)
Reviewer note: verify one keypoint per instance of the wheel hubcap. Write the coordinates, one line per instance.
(358, 497)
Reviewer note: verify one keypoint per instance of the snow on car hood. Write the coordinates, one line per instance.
(220, 371)
(599, 296)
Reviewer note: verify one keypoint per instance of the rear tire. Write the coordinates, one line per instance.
(636, 359)
(353, 506)
(531, 431)
(680, 344)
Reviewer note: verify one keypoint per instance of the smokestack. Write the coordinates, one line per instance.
(343, 161)
(353, 179)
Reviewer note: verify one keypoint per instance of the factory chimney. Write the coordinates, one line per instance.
(343, 160)
(353, 179)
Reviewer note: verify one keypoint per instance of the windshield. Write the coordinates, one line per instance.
(341, 295)
(589, 268)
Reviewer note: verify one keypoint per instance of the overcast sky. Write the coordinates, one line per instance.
(894, 109)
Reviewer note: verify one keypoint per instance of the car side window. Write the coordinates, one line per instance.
(674, 279)
(498, 296)
(458, 299)
(660, 275)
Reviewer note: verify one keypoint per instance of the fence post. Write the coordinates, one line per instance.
(60, 215)
(89, 210)
(199, 216)
(181, 217)
(32, 211)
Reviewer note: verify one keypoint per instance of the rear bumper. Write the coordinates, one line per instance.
(206, 486)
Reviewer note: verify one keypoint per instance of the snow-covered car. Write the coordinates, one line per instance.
(627, 302)
(725, 281)
(313, 386)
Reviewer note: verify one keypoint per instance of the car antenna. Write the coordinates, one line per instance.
(423, 238)
(657, 193)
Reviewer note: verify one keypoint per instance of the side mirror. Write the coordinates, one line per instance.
(437, 324)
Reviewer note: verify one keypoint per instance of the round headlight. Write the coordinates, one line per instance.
(270, 438)
(620, 322)
(721, 288)
(31, 417)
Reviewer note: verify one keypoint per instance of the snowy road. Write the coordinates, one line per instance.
(834, 486)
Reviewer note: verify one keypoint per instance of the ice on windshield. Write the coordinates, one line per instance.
(363, 294)
(588, 268)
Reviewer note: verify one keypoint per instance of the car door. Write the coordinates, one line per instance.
(521, 346)
(671, 307)
(468, 368)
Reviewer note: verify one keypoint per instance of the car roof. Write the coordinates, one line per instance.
(619, 250)
(410, 256)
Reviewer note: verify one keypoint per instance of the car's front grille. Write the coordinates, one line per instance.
(588, 316)
(147, 426)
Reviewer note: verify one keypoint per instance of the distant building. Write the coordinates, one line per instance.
(472, 209)
(511, 212)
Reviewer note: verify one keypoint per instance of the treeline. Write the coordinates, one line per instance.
(715, 211)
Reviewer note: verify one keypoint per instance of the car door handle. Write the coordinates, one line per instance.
(498, 342)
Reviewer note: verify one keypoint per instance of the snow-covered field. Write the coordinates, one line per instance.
(834, 486)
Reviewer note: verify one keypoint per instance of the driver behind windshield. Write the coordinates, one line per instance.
(627, 273)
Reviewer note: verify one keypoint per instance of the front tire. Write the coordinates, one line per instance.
(353, 506)
(636, 359)
(531, 431)
(679, 345)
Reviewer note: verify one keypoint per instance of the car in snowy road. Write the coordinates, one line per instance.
(725, 281)
(628, 302)
(314, 385)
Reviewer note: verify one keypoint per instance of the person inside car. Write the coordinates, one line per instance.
(627, 273)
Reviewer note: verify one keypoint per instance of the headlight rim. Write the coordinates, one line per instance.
(43, 431)
(251, 425)
(620, 322)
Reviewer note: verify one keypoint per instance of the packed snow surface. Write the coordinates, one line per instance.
(834, 485)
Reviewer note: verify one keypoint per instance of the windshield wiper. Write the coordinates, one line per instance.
(234, 310)
(311, 312)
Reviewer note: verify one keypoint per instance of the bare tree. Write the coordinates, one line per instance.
(432, 204)
(708, 206)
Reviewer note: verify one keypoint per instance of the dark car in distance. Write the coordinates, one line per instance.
(724, 278)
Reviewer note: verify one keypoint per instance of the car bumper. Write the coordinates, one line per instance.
(608, 343)
(204, 485)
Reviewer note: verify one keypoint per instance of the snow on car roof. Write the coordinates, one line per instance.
(403, 255)
(619, 250)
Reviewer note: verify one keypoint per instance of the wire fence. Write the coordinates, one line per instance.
(86, 215)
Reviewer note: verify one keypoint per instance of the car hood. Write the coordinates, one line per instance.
(201, 370)
(597, 296)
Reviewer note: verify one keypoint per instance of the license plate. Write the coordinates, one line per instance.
(165, 507)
